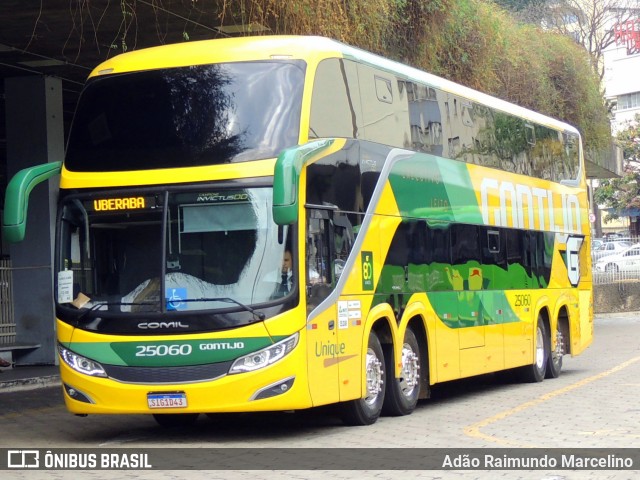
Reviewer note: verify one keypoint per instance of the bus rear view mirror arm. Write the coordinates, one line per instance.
(286, 179)
(17, 198)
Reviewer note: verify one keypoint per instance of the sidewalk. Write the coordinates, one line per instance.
(27, 378)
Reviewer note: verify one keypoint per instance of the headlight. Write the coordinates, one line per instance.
(81, 364)
(264, 357)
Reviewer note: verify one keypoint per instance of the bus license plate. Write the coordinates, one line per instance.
(167, 400)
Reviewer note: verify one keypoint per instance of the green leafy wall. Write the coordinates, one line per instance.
(472, 42)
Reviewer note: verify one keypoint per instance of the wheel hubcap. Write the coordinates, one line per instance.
(410, 370)
(374, 377)
(558, 352)
(539, 349)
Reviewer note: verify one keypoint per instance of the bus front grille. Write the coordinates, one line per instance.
(167, 375)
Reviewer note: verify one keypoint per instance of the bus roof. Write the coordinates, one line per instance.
(237, 49)
(309, 48)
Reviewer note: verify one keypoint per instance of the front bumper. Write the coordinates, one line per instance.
(280, 386)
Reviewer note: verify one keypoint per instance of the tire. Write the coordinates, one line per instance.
(175, 420)
(365, 411)
(611, 267)
(554, 364)
(401, 396)
(536, 371)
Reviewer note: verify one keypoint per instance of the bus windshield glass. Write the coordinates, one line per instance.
(170, 251)
(187, 116)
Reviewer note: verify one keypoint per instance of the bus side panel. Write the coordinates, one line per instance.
(490, 356)
(518, 329)
(494, 348)
(351, 324)
(322, 351)
(582, 332)
(447, 335)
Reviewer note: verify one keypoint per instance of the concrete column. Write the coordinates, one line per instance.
(35, 135)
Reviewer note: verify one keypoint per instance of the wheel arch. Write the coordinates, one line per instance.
(381, 321)
(544, 314)
(562, 320)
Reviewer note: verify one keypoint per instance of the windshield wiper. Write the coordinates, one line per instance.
(258, 315)
(97, 306)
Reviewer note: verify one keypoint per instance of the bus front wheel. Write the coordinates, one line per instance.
(365, 411)
(402, 393)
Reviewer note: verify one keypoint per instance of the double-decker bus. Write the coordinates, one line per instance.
(434, 232)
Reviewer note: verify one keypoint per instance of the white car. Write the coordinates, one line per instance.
(609, 248)
(627, 260)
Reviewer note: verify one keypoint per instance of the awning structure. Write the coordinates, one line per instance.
(604, 164)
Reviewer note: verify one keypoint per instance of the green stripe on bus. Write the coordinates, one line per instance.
(471, 309)
(165, 353)
(420, 192)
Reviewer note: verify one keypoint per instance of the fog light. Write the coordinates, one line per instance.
(274, 389)
(77, 395)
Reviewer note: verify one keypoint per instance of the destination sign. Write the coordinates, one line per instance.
(120, 204)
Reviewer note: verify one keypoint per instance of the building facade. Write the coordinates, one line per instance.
(622, 73)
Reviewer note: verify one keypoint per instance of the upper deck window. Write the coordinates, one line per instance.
(187, 116)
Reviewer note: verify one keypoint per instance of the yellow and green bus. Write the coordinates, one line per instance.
(435, 233)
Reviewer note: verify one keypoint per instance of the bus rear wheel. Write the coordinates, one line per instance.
(365, 411)
(536, 371)
(401, 396)
(554, 365)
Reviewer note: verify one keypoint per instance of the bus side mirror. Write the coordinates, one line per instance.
(16, 200)
(286, 179)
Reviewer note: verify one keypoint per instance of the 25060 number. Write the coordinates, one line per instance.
(523, 301)
(163, 350)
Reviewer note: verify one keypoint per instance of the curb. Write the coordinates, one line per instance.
(23, 384)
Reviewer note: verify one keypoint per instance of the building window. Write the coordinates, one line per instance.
(629, 100)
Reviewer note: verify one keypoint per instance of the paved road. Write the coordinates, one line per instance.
(594, 403)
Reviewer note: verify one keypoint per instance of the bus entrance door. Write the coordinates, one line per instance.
(323, 366)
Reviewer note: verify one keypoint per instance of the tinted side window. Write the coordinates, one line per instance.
(465, 244)
(318, 257)
(385, 107)
(517, 266)
(425, 117)
(438, 244)
(335, 103)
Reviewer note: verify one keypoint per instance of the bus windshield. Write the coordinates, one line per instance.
(187, 116)
(169, 251)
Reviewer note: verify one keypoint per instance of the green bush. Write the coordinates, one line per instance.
(472, 42)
